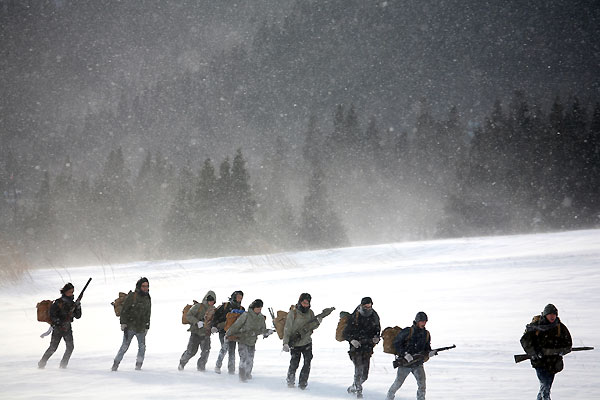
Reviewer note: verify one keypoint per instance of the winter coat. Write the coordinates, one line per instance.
(247, 327)
(222, 311)
(62, 312)
(197, 313)
(362, 328)
(136, 311)
(295, 320)
(540, 337)
(413, 341)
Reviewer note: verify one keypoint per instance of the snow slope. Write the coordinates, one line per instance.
(479, 293)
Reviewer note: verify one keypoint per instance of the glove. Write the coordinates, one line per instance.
(319, 319)
(355, 343)
(123, 327)
(268, 333)
(537, 356)
(408, 357)
(376, 340)
(286, 348)
(214, 329)
(432, 353)
(200, 324)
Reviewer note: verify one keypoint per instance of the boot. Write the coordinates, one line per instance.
(217, 370)
(180, 367)
(42, 364)
(138, 366)
(115, 366)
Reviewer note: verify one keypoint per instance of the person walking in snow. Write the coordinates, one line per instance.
(299, 316)
(546, 340)
(362, 332)
(245, 331)
(135, 321)
(62, 312)
(413, 348)
(220, 318)
(200, 317)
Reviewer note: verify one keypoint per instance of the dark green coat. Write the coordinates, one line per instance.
(136, 311)
(541, 337)
(197, 313)
(295, 321)
(247, 327)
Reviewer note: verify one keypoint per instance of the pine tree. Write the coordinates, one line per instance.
(320, 227)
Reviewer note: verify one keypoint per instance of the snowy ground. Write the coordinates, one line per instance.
(479, 293)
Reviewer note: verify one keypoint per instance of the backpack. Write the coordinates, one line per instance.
(343, 321)
(388, 335)
(118, 303)
(43, 311)
(279, 321)
(231, 317)
(185, 310)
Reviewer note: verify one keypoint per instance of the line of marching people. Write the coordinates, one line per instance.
(545, 340)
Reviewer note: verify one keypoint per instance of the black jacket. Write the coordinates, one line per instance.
(362, 328)
(62, 312)
(221, 313)
(540, 337)
(413, 341)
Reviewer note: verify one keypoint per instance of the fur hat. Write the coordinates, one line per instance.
(256, 304)
(366, 300)
(550, 309)
(421, 316)
(304, 296)
(67, 287)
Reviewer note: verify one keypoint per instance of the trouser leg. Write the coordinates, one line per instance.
(546, 379)
(223, 350)
(68, 336)
(307, 354)
(57, 335)
(231, 360)
(295, 354)
(191, 350)
(401, 375)
(141, 338)
(205, 352)
(361, 362)
(127, 337)
(419, 373)
(244, 355)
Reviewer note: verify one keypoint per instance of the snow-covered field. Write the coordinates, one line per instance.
(479, 293)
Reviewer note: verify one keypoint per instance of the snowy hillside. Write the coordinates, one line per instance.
(479, 293)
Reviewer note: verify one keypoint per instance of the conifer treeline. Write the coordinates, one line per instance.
(522, 170)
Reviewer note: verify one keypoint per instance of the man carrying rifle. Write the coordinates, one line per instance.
(298, 317)
(413, 348)
(362, 332)
(546, 340)
(62, 312)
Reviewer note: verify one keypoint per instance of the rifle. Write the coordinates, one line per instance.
(272, 316)
(309, 326)
(82, 291)
(549, 352)
(419, 357)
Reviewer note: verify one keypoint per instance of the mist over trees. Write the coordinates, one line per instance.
(201, 128)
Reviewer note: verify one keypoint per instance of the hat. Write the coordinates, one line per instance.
(234, 294)
(421, 316)
(550, 309)
(305, 296)
(138, 284)
(366, 300)
(67, 287)
(256, 304)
